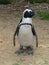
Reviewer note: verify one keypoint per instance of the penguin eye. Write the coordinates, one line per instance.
(26, 14)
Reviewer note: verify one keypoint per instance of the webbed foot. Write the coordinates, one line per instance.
(21, 50)
(29, 50)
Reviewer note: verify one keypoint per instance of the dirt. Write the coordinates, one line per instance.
(8, 24)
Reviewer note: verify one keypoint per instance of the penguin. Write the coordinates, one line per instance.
(26, 32)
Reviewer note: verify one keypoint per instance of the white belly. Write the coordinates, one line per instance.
(25, 35)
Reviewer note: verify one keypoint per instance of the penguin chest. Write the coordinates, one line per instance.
(25, 35)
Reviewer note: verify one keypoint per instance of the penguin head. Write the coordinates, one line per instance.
(28, 13)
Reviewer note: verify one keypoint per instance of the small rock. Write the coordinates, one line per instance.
(29, 64)
(1, 41)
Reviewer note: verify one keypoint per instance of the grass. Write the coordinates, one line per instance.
(5, 2)
(37, 1)
(16, 64)
(47, 47)
(43, 15)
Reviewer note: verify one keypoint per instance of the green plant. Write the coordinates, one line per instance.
(37, 1)
(43, 15)
(5, 1)
(16, 64)
(47, 1)
(31, 1)
(40, 1)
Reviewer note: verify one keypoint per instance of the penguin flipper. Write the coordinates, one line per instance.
(16, 32)
(34, 33)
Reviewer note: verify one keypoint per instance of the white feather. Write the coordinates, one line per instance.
(26, 20)
(25, 33)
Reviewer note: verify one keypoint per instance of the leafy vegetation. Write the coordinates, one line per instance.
(43, 15)
(14, 1)
(16, 64)
(5, 1)
(47, 1)
(37, 1)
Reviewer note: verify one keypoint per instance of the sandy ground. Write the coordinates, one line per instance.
(8, 24)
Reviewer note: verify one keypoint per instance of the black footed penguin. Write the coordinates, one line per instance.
(26, 32)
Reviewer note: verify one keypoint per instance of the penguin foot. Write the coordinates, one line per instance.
(21, 50)
(29, 50)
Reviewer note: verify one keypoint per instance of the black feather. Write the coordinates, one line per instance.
(16, 32)
(34, 33)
